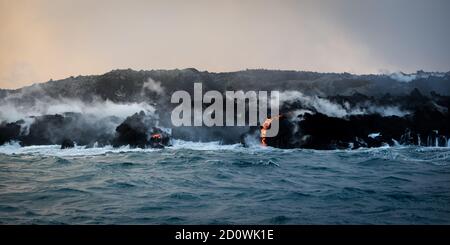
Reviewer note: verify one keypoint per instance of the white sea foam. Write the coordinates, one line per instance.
(374, 135)
(14, 148)
(203, 146)
(55, 150)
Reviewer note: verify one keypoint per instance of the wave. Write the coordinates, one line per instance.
(402, 153)
(14, 148)
(202, 146)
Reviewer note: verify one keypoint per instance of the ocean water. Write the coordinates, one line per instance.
(209, 183)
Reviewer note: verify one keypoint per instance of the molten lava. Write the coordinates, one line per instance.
(156, 136)
(265, 127)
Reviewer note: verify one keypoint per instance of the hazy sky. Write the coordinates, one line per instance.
(43, 39)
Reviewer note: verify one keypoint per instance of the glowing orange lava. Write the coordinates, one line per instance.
(265, 126)
(156, 136)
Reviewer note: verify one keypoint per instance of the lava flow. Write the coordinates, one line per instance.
(265, 127)
(156, 136)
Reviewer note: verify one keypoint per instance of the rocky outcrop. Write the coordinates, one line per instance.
(54, 129)
(69, 129)
(139, 130)
(67, 143)
(424, 116)
(9, 132)
(427, 124)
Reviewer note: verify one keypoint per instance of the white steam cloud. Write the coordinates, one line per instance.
(11, 112)
(33, 101)
(402, 77)
(327, 107)
(153, 86)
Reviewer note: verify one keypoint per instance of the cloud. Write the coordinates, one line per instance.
(153, 86)
(402, 77)
(329, 108)
(33, 101)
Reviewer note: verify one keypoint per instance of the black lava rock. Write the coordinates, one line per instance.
(67, 143)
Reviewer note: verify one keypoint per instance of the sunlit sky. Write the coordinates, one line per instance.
(54, 39)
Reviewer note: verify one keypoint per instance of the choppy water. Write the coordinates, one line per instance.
(205, 183)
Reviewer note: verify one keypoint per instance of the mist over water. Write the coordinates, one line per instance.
(207, 183)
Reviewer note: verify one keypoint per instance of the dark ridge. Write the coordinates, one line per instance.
(425, 99)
